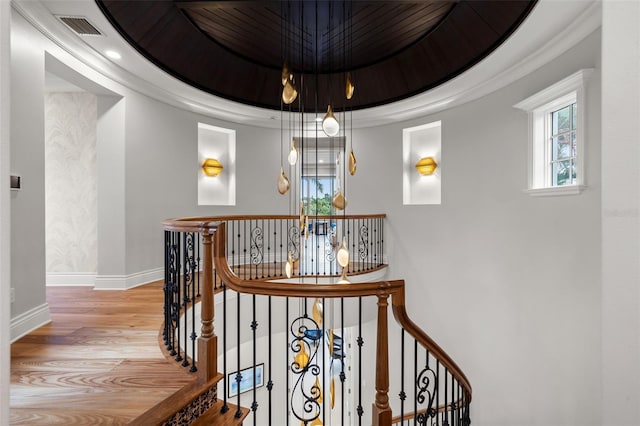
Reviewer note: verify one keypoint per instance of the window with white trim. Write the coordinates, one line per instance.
(556, 137)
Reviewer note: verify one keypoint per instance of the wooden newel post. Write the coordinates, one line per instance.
(381, 410)
(207, 342)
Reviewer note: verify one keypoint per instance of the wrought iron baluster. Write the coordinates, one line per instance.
(245, 265)
(324, 361)
(269, 382)
(415, 387)
(360, 344)
(282, 259)
(286, 358)
(225, 406)
(342, 359)
(453, 402)
(445, 413)
(177, 302)
(304, 363)
(195, 274)
(172, 286)
(381, 242)
(238, 377)
(254, 327)
(198, 244)
(402, 395)
(234, 266)
(187, 240)
(268, 262)
(437, 407)
(169, 292)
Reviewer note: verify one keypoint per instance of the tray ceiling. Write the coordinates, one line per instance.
(394, 50)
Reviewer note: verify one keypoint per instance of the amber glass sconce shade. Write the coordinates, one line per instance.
(426, 166)
(212, 167)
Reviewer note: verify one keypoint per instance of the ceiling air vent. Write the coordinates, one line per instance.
(80, 25)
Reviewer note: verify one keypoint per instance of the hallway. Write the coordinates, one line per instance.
(97, 362)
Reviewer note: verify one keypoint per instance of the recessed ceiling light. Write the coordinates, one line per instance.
(112, 54)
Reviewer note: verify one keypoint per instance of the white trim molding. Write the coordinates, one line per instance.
(125, 282)
(555, 191)
(538, 107)
(77, 279)
(26, 322)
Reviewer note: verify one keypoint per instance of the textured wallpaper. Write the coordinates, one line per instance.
(70, 182)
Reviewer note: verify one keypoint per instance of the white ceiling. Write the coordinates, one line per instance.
(553, 27)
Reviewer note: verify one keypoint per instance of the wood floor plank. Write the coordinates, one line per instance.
(97, 362)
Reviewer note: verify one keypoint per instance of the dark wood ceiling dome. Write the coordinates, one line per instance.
(393, 49)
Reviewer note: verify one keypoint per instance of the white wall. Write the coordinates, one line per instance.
(147, 170)
(508, 284)
(162, 170)
(70, 184)
(620, 213)
(27, 160)
(5, 222)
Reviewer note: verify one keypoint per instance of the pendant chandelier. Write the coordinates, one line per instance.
(316, 38)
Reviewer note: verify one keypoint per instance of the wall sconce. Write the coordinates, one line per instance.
(426, 166)
(212, 167)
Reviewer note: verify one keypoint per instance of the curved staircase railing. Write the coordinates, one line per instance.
(305, 344)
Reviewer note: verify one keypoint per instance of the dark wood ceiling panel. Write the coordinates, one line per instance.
(234, 49)
(498, 14)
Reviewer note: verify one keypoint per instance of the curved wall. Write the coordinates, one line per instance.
(508, 284)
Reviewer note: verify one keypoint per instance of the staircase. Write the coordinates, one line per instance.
(265, 322)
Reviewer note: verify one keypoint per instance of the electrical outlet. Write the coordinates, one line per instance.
(13, 295)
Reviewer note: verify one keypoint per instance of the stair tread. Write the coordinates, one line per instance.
(213, 416)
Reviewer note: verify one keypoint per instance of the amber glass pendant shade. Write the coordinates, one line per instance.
(352, 162)
(289, 91)
(288, 268)
(319, 388)
(302, 218)
(339, 202)
(330, 124)
(293, 153)
(302, 358)
(283, 182)
(343, 253)
(316, 312)
(349, 88)
(332, 392)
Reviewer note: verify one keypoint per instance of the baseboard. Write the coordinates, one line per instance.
(125, 282)
(70, 279)
(25, 323)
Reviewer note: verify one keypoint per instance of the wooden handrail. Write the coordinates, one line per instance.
(214, 239)
(395, 288)
(196, 224)
(273, 288)
(400, 314)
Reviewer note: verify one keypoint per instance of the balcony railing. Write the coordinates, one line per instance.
(316, 346)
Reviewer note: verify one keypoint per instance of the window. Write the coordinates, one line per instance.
(556, 137)
(317, 192)
(322, 173)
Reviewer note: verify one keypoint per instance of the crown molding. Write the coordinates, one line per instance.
(565, 23)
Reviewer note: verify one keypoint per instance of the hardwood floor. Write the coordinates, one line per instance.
(98, 362)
